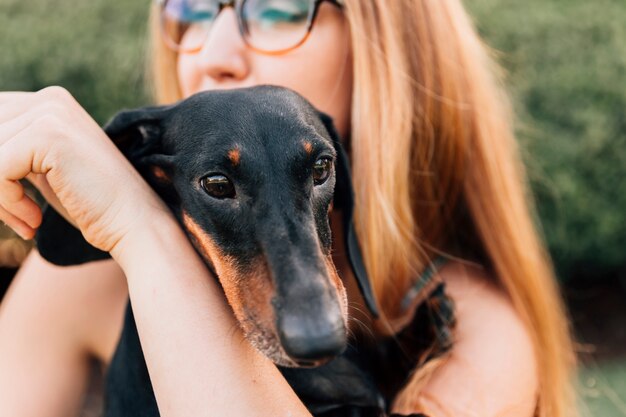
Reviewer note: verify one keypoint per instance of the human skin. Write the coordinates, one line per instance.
(174, 297)
(320, 69)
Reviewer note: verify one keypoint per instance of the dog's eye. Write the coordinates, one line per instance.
(218, 186)
(321, 170)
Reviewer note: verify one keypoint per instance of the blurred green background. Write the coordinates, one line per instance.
(567, 71)
(566, 66)
(566, 61)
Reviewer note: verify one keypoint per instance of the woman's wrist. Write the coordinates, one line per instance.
(151, 235)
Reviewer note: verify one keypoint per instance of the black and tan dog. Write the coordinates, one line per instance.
(251, 174)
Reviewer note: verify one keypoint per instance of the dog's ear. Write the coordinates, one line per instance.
(344, 200)
(137, 133)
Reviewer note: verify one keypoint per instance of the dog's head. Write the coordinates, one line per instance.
(250, 174)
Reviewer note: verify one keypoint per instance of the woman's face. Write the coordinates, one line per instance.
(320, 69)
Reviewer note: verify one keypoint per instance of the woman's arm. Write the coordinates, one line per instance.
(53, 320)
(492, 368)
(198, 360)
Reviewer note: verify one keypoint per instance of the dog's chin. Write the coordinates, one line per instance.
(268, 344)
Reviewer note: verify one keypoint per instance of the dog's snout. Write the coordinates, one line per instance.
(311, 339)
(309, 300)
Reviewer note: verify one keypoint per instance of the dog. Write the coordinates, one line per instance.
(251, 174)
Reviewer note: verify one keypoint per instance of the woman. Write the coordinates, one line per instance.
(411, 88)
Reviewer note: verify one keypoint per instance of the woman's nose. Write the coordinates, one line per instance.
(223, 56)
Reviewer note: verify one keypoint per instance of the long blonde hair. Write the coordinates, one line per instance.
(441, 171)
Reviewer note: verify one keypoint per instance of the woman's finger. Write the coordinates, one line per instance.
(12, 96)
(14, 200)
(14, 126)
(40, 182)
(16, 104)
(48, 100)
(25, 231)
(26, 210)
(17, 115)
(17, 160)
(17, 154)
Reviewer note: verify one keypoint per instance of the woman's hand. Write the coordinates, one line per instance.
(48, 138)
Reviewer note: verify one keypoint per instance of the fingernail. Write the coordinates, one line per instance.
(32, 223)
(23, 232)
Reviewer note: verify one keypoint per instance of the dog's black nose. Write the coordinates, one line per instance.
(313, 340)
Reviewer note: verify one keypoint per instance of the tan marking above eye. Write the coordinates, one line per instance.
(160, 174)
(235, 156)
(308, 146)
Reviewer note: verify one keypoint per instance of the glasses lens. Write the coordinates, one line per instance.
(186, 23)
(274, 25)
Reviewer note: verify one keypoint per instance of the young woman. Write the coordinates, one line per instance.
(415, 96)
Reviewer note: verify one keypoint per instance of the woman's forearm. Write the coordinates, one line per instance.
(197, 357)
(198, 361)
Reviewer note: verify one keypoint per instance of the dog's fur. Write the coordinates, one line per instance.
(267, 238)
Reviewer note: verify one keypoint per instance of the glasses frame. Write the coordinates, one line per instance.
(237, 6)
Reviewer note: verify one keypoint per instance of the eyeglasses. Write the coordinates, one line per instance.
(266, 26)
